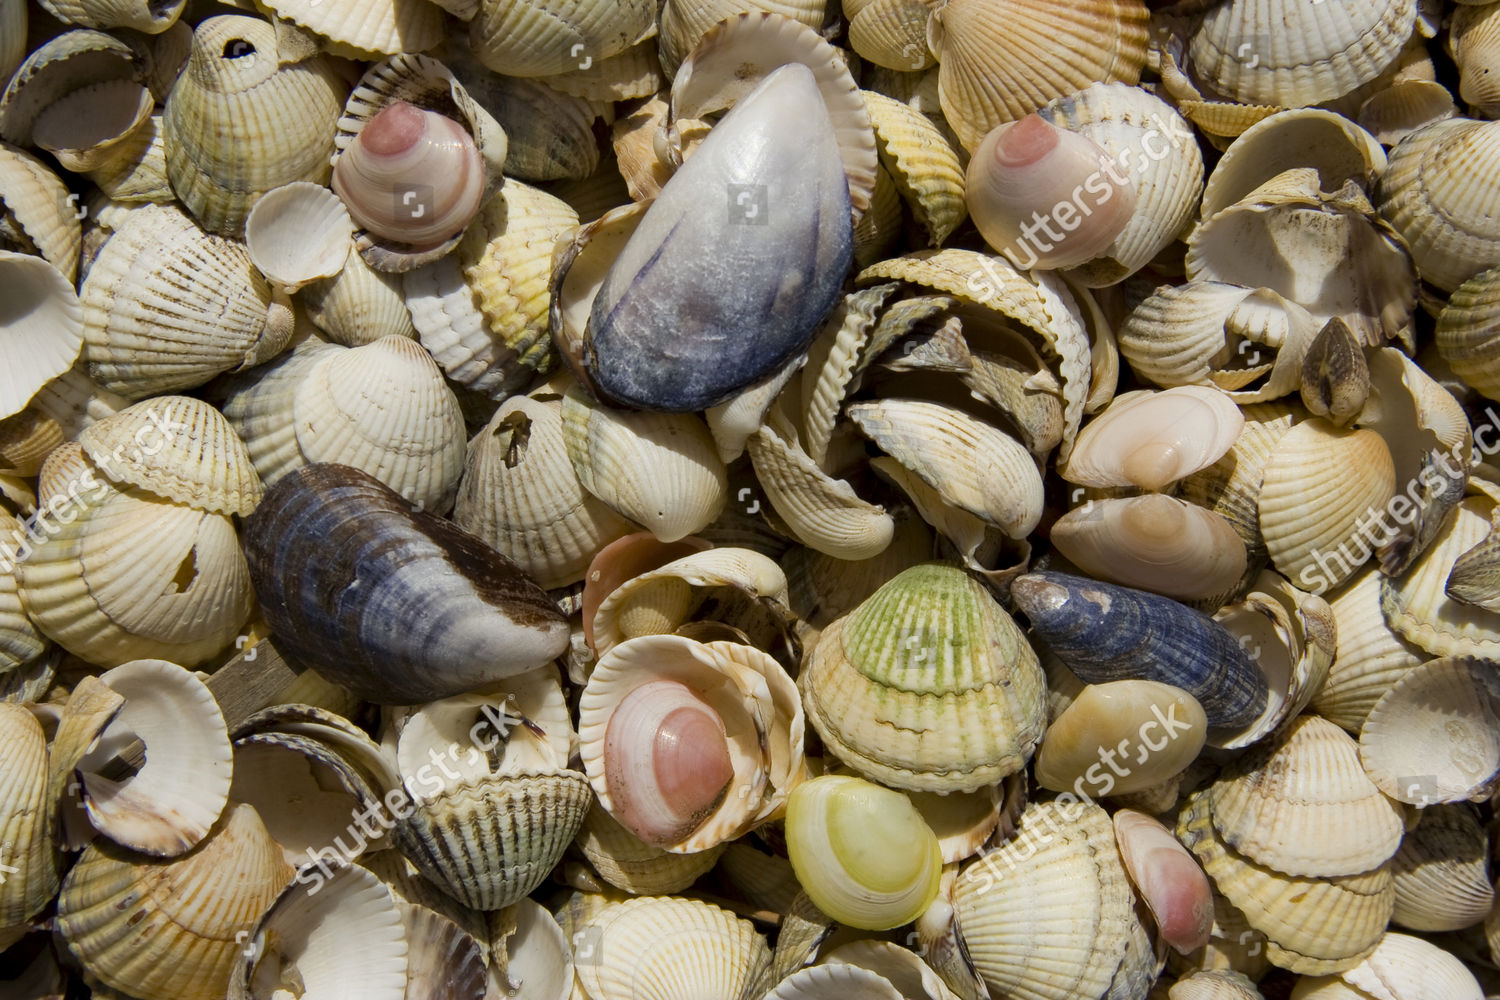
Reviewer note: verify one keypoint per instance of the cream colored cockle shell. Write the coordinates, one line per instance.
(26, 821)
(627, 862)
(1442, 871)
(384, 408)
(1151, 439)
(1474, 41)
(167, 306)
(238, 123)
(998, 60)
(20, 642)
(1433, 192)
(760, 718)
(685, 22)
(520, 495)
(368, 28)
(1292, 53)
(668, 947)
(543, 37)
(1323, 502)
(660, 470)
(1312, 925)
(1371, 657)
(1419, 610)
(179, 448)
(41, 330)
(166, 928)
(1402, 966)
(133, 576)
(34, 200)
(298, 233)
(359, 305)
(1435, 735)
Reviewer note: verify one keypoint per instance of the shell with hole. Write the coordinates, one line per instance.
(862, 852)
(133, 575)
(165, 929)
(767, 265)
(167, 306)
(506, 753)
(520, 495)
(660, 470)
(897, 687)
(485, 620)
(1105, 632)
(415, 158)
(238, 123)
(690, 744)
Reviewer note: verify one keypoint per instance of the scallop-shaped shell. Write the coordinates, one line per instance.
(862, 852)
(1105, 632)
(1276, 805)
(660, 470)
(668, 948)
(549, 134)
(732, 318)
(20, 642)
(714, 756)
(1313, 926)
(1120, 714)
(1155, 151)
(26, 818)
(685, 22)
(627, 862)
(660, 600)
(1308, 137)
(973, 465)
(259, 405)
(383, 26)
(1435, 735)
(896, 688)
(520, 495)
(134, 576)
(1403, 966)
(1466, 332)
(1153, 542)
(1151, 439)
(999, 60)
(41, 328)
(920, 160)
(1328, 252)
(543, 37)
(47, 89)
(1416, 606)
(167, 307)
(179, 448)
(384, 408)
(166, 929)
(238, 123)
(1434, 191)
(1442, 878)
(1370, 659)
(484, 620)
(1294, 54)
(143, 16)
(506, 257)
(1404, 107)
(359, 305)
(821, 981)
(1214, 985)
(1474, 40)
(344, 934)
(1048, 914)
(1321, 487)
(416, 157)
(170, 804)
(298, 233)
(35, 201)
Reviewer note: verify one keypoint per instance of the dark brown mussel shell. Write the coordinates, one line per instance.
(396, 604)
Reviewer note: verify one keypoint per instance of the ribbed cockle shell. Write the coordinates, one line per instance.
(412, 176)
(667, 759)
(1046, 197)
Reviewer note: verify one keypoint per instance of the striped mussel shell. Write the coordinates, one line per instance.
(332, 551)
(1105, 632)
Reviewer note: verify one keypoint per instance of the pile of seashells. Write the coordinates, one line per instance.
(739, 499)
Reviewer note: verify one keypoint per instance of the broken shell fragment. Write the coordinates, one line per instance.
(482, 620)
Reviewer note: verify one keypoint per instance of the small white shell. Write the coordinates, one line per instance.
(298, 233)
